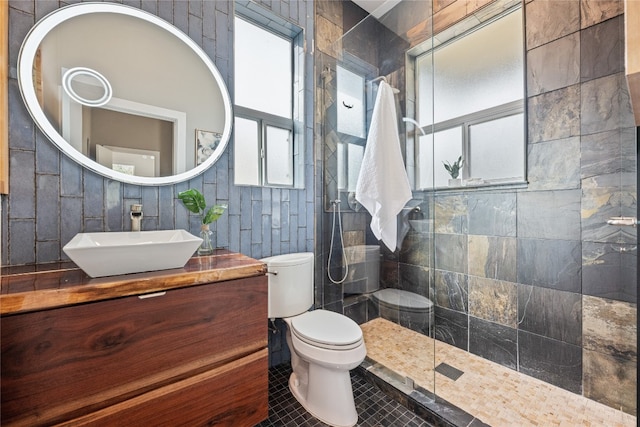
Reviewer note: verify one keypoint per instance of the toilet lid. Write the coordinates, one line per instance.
(326, 329)
(398, 298)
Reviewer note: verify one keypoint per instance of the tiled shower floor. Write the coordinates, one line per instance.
(375, 409)
(490, 393)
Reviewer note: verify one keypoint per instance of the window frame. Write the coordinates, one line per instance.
(263, 120)
(294, 124)
(361, 69)
(265, 152)
(466, 122)
(426, 133)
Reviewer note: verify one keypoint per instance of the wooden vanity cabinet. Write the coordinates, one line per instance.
(191, 356)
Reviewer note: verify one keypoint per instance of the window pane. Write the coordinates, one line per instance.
(279, 153)
(247, 152)
(424, 162)
(263, 70)
(355, 154)
(350, 105)
(349, 162)
(342, 165)
(484, 68)
(424, 70)
(447, 147)
(497, 148)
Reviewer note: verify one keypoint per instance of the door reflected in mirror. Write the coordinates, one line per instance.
(123, 93)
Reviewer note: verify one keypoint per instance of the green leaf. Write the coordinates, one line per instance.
(213, 213)
(193, 200)
(454, 169)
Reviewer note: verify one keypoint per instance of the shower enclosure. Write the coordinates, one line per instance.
(515, 252)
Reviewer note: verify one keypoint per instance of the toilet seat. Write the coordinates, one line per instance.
(398, 299)
(326, 329)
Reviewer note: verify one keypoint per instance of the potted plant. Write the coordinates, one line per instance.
(194, 201)
(454, 171)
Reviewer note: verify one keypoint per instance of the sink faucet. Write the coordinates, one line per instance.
(136, 217)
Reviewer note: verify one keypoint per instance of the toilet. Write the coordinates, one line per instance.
(408, 309)
(324, 345)
(405, 308)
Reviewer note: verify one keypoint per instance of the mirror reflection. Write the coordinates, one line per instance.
(125, 93)
(351, 112)
(352, 105)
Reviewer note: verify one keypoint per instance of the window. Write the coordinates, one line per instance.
(351, 103)
(351, 121)
(268, 130)
(470, 103)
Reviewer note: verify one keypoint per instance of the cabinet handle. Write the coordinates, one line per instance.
(153, 295)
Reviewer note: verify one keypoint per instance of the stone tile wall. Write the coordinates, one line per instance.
(534, 278)
(581, 168)
(52, 198)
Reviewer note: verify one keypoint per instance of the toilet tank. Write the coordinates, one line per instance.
(290, 279)
(364, 269)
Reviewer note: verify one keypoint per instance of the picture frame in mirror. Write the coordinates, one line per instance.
(206, 144)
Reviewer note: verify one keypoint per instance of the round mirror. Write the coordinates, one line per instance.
(125, 93)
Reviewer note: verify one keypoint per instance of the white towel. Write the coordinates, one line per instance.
(383, 186)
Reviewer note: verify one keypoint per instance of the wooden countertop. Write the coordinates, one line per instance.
(38, 287)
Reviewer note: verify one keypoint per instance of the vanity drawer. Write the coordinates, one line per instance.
(63, 363)
(235, 395)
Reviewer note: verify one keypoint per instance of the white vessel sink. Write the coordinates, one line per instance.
(109, 254)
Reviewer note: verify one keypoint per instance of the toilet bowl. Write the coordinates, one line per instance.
(408, 309)
(324, 345)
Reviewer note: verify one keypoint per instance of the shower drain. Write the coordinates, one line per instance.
(449, 371)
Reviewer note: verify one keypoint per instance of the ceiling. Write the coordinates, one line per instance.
(377, 8)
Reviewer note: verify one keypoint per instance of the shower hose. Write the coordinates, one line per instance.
(336, 209)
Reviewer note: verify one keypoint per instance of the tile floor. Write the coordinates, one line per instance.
(375, 409)
(490, 393)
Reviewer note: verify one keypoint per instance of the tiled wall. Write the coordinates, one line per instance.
(534, 278)
(52, 198)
